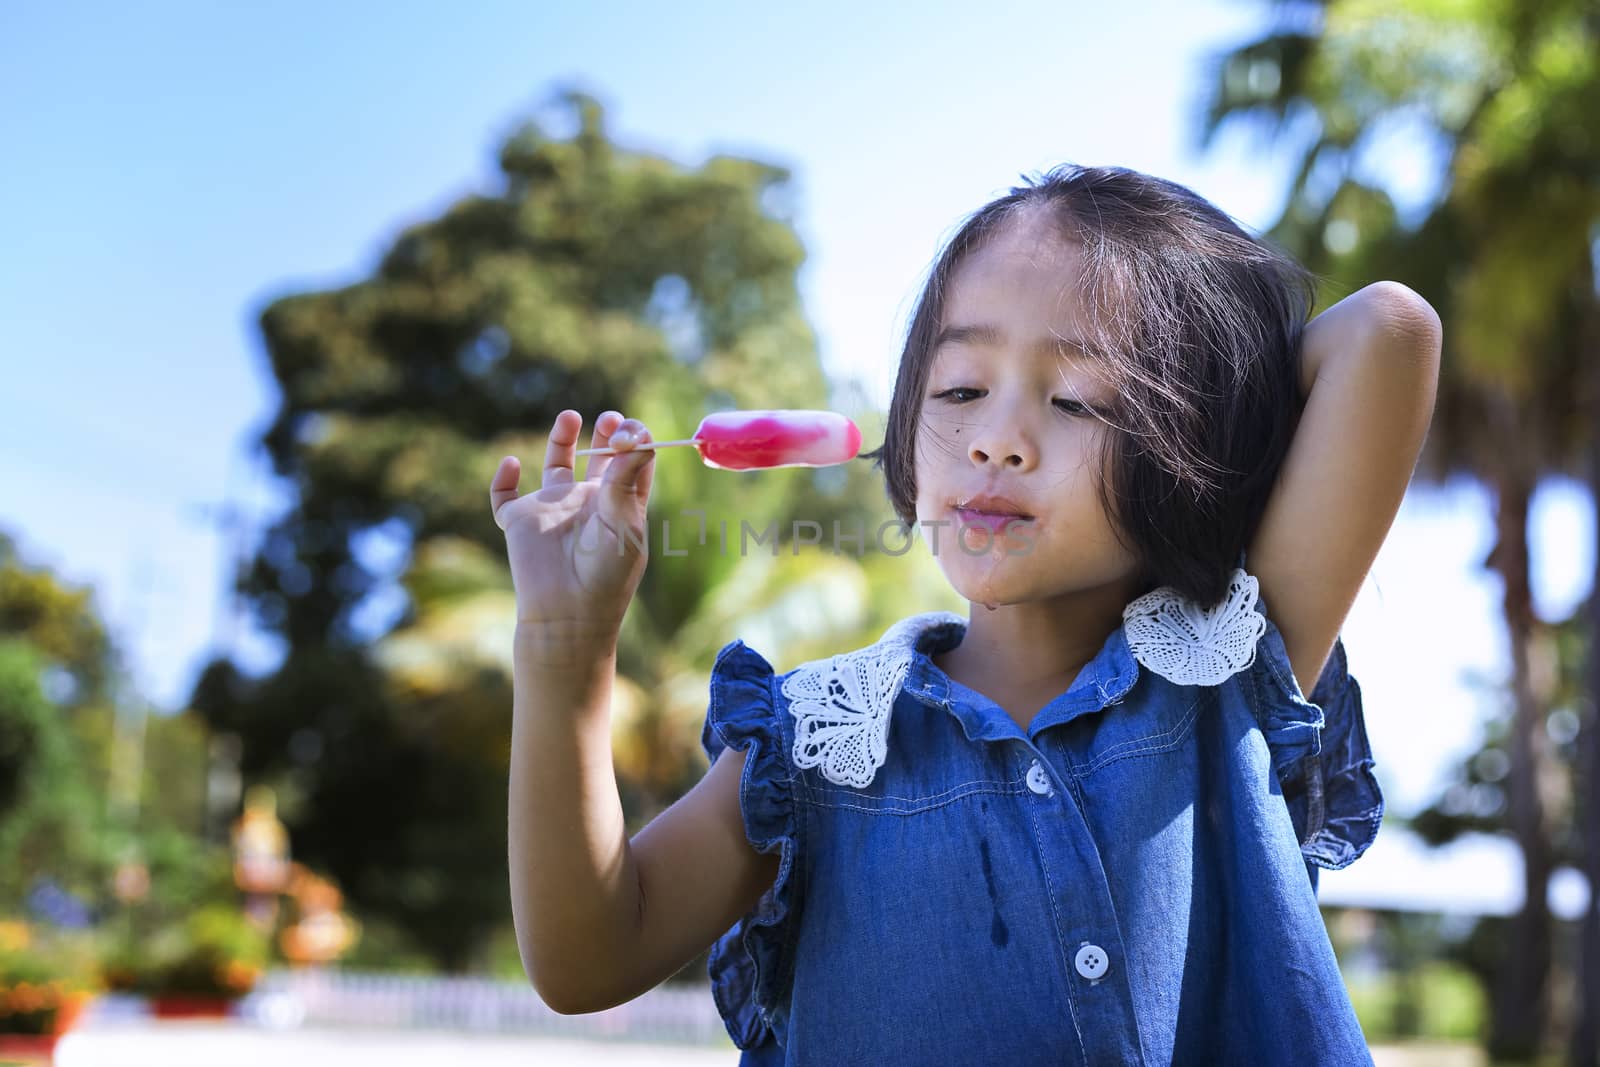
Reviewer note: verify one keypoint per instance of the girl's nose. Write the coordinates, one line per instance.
(1005, 441)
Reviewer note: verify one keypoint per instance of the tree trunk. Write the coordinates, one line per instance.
(1519, 997)
(1585, 1051)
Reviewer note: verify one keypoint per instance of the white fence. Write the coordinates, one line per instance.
(289, 998)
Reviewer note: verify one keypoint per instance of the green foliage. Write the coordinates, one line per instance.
(56, 759)
(60, 622)
(49, 818)
(186, 874)
(57, 745)
(1439, 1001)
(184, 935)
(27, 720)
(50, 638)
(1508, 93)
(212, 951)
(172, 795)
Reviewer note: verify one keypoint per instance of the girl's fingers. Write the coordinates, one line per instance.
(604, 427)
(626, 486)
(503, 486)
(558, 457)
(647, 469)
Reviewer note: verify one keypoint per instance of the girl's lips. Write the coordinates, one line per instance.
(996, 523)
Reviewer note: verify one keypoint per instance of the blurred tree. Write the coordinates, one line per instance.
(56, 728)
(48, 826)
(1474, 802)
(61, 623)
(58, 673)
(1504, 94)
(596, 278)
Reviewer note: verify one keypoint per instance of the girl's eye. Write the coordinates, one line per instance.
(1070, 407)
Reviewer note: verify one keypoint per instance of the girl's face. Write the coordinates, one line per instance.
(1008, 412)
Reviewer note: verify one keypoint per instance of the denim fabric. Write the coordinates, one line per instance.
(1130, 880)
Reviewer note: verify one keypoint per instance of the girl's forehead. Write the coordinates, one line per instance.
(1043, 322)
(1033, 247)
(1027, 276)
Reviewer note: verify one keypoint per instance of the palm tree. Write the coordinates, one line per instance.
(1507, 93)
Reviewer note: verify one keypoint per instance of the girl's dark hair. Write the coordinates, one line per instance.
(1198, 325)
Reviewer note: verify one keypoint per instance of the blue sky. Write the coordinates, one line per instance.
(170, 168)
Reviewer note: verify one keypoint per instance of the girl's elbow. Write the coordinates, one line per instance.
(1408, 326)
(557, 995)
(548, 979)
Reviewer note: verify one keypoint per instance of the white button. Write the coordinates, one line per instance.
(1092, 962)
(1038, 780)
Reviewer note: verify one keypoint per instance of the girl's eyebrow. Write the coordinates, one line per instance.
(985, 334)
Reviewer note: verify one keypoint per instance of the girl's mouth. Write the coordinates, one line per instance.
(996, 522)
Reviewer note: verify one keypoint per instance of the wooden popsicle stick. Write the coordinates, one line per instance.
(645, 444)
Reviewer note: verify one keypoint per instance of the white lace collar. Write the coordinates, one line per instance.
(842, 704)
(1189, 645)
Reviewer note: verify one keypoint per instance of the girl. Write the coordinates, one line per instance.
(1083, 824)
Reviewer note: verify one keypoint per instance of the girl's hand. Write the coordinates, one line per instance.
(578, 549)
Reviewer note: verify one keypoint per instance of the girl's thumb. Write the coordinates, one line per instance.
(625, 485)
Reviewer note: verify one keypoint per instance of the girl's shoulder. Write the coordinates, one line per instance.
(1317, 742)
(832, 713)
(1188, 644)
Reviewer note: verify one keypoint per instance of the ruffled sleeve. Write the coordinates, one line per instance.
(1320, 752)
(751, 966)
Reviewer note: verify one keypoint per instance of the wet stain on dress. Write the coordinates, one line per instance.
(997, 929)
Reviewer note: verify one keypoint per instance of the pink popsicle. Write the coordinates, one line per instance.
(752, 440)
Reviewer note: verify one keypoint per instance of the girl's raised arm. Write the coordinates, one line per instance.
(1369, 374)
(600, 918)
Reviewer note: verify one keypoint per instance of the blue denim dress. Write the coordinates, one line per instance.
(1130, 880)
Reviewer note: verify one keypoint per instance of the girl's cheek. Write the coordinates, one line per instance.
(940, 430)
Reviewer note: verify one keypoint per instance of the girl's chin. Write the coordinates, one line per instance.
(986, 582)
